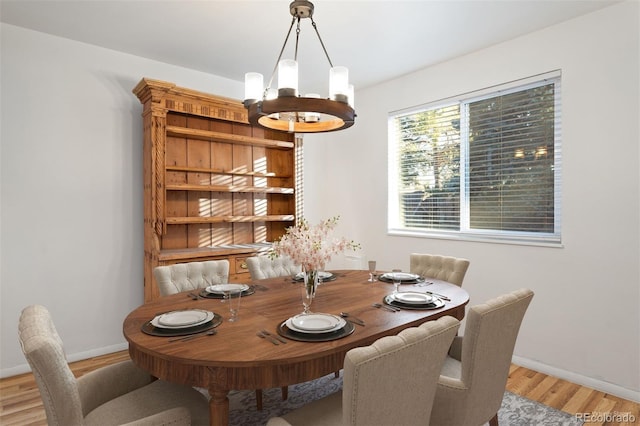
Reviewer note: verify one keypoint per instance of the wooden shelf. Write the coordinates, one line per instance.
(223, 172)
(228, 219)
(215, 186)
(214, 251)
(229, 188)
(207, 135)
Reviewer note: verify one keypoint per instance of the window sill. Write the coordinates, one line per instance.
(553, 242)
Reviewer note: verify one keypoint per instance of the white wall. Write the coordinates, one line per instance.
(71, 213)
(584, 321)
(71, 175)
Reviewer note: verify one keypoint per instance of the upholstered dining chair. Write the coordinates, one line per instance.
(181, 277)
(391, 382)
(447, 268)
(114, 395)
(474, 374)
(262, 267)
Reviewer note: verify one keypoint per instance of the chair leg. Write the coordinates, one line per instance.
(494, 420)
(285, 393)
(259, 399)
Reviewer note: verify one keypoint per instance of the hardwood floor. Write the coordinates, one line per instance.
(20, 402)
(572, 398)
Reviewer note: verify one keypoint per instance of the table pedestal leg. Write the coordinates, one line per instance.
(218, 407)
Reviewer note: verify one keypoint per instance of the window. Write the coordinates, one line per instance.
(482, 166)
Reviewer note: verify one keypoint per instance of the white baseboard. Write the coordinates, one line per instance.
(579, 379)
(24, 368)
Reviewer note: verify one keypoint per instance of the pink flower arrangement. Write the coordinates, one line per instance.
(311, 246)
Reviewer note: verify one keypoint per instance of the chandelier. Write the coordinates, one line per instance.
(284, 109)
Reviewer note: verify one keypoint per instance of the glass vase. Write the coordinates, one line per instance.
(310, 284)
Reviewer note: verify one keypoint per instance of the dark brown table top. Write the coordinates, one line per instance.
(236, 358)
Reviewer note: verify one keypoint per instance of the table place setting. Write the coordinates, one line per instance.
(403, 278)
(413, 300)
(184, 322)
(323, 277)
(224, 291)
(316, 327)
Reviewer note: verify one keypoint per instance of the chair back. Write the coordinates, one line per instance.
(43, 349)
(490, 335)
(181, 277)
(261, 267)
(447, 268)
(393, 381)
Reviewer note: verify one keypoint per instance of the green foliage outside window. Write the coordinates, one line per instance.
(486, 164)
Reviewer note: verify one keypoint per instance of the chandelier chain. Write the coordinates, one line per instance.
(286, 39)
(295, 55)
(315, 27)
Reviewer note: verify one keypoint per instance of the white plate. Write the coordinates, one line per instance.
(182, 319)
(223, 288)
(315, 323)
(323, 275)
(413, 298)
(404, 276)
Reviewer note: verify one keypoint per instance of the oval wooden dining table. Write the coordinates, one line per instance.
(236, 358)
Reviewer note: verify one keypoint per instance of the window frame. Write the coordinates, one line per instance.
(466, 233)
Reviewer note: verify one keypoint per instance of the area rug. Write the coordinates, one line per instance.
(515, 410)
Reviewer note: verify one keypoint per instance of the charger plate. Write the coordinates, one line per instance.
(436, 304)
(315, 323)
(323, 277)
(405, 277)
(413, 298)
(285, 331)
(184, 318)
(204, 293)
(148, 328)
(227, 287)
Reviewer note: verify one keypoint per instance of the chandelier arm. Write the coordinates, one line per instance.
(279, 57)
(295, 56)
(315, 27)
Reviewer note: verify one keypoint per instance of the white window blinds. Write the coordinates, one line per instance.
(482, 165)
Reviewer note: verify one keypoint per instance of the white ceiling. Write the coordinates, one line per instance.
(377, 40)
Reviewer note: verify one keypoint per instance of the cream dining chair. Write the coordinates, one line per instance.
(114, 395)
(262, 267)
(391, 382)
(447, 268)
(474, 375)
(181, 277)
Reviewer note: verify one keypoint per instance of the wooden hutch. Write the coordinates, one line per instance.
(215, 187)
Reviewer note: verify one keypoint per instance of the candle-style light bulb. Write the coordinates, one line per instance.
(287, 78)
(253, 87)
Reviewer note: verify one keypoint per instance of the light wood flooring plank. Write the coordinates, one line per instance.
(21, 405)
